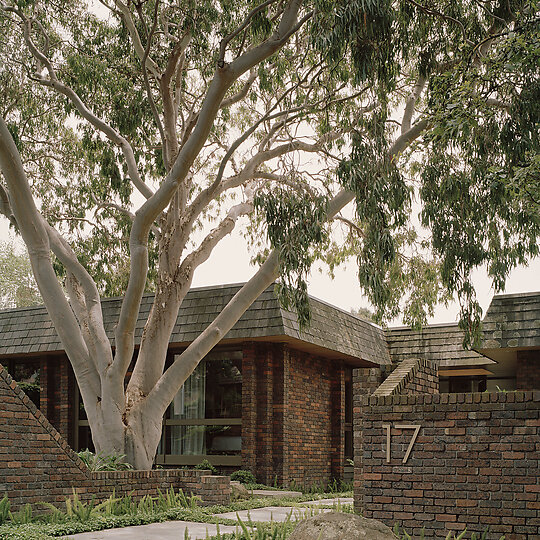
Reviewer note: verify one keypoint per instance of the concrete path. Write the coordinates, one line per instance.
(175, 530)
(271, 513)
(329, 502)
(274, 493)
(281, 513)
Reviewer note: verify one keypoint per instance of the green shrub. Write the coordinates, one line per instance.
(104, 462)
(23, 516)
(244, 477)
(79, 510)
(263, 531)
(4, 509)
(205, 465)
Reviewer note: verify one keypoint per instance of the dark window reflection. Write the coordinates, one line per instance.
(26, 374)
(194, 421)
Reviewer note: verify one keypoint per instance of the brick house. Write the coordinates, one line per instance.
(269, 398)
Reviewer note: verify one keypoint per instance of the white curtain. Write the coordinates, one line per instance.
(189, 404)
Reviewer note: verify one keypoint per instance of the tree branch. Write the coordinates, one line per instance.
(149, 367)
(168, 385)
(408, 137)
(88, 115)
(352, 226)
(242, 93)
(227, 39)
(411, 104)
(5, 207)
(152, 208)
(126, 212)
(151, 101)
(170, 108)
(136, 39)
(434, 12)
(201, 254)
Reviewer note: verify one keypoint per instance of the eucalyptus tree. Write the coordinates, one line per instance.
(17, 285)
(131, 144)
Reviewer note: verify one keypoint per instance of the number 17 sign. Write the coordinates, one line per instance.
(388, 428)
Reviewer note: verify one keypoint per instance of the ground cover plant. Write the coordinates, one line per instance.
(47, 521)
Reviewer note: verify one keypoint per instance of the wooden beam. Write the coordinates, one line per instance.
(463, 372)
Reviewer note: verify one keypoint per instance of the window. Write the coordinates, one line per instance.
(83, 435)
(204, 421)
(26, 374)
(456, 385)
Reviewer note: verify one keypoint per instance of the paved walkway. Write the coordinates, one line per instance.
(281, 513)
(176, 530)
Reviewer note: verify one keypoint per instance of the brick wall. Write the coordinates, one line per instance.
(308, 420)
(57, 390)
(249, 407)
(263, 395)
(365, 382)
(337, 419)
(211, 489)
(411, 376)
(292, 415)
(37, 465)
(475, 463)
(528, 370)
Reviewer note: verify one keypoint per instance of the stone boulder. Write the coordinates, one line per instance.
(339, 526)
(238, 491)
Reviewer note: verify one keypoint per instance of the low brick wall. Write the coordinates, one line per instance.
(475, 463)
(211, 489)
(37, 465)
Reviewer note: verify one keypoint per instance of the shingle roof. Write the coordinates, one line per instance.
(512, 321)
(441, 343)
(29, 330)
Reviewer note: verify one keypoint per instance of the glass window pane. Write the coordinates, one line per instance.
(190, 401)
(203, 440)
(224, 389)
(85, 439)
(213, 390)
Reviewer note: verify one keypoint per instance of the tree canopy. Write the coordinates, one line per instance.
(17, 285)
(132, 143)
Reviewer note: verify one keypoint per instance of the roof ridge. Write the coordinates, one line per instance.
(426, 326)
(517, 295)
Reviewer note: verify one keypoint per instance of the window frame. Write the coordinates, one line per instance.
(233, 353)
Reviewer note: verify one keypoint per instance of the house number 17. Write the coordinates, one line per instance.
(411, 444)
